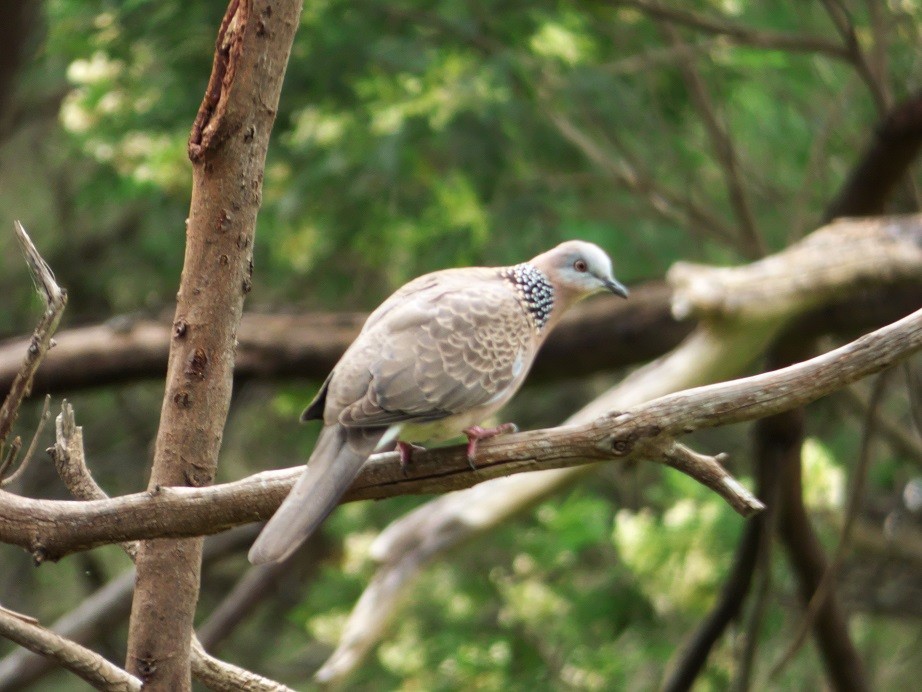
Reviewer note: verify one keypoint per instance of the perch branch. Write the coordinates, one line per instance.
(811, 292)
(57, 528)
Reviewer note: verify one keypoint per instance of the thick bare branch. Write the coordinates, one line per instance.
(58, 528)
(309, 344)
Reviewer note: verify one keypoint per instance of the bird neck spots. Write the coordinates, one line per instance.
(533, 289)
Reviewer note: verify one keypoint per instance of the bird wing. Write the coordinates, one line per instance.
(449, 346)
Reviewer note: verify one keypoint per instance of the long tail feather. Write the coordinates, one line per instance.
(334, 464)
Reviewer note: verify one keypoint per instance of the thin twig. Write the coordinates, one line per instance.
(665, 202)
(721, 142)
(842, 20)
(901, 438)
(763, 573)
(855, 496)
(9, 457)
(879, 50)
(39, 429)
(736, 32)
(54, 299)
(914, 391)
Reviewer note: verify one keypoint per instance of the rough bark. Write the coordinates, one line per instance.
(227, 147)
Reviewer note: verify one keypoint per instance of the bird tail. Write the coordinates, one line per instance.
(335, 462)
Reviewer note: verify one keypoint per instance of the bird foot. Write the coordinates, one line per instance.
(406, 450)
(475, 434)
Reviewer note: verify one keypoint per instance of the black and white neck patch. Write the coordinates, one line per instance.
(534, 289)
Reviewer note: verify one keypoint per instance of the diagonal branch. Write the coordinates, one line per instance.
(738, 33)
(741, 311)
(54, 299)
(645, 431)
(87, 664)
(724, 151)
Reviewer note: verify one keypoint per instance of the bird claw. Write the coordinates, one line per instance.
(475, 434)
(406, 450)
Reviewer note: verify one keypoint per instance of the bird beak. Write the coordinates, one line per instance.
(616, 287)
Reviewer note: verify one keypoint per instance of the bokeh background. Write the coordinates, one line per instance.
(413, 136)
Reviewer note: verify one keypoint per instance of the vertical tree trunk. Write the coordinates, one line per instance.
(228, 151)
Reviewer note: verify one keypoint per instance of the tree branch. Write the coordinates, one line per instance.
(308, 345)
(750, 240)
(738, 33)
(54, 299)
(87, 664)
(896, 143)
(732, 333)
(645, 431)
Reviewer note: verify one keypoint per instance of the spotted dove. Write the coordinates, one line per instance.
(439, 356)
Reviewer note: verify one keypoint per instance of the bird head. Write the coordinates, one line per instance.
(577, 269)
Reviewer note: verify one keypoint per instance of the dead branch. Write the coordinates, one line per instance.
(54, 299)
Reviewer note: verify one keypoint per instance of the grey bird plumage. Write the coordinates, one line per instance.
(443, 353)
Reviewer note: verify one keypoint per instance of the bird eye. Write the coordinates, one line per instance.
(580, 265)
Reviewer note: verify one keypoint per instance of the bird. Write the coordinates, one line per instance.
(438, 357)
